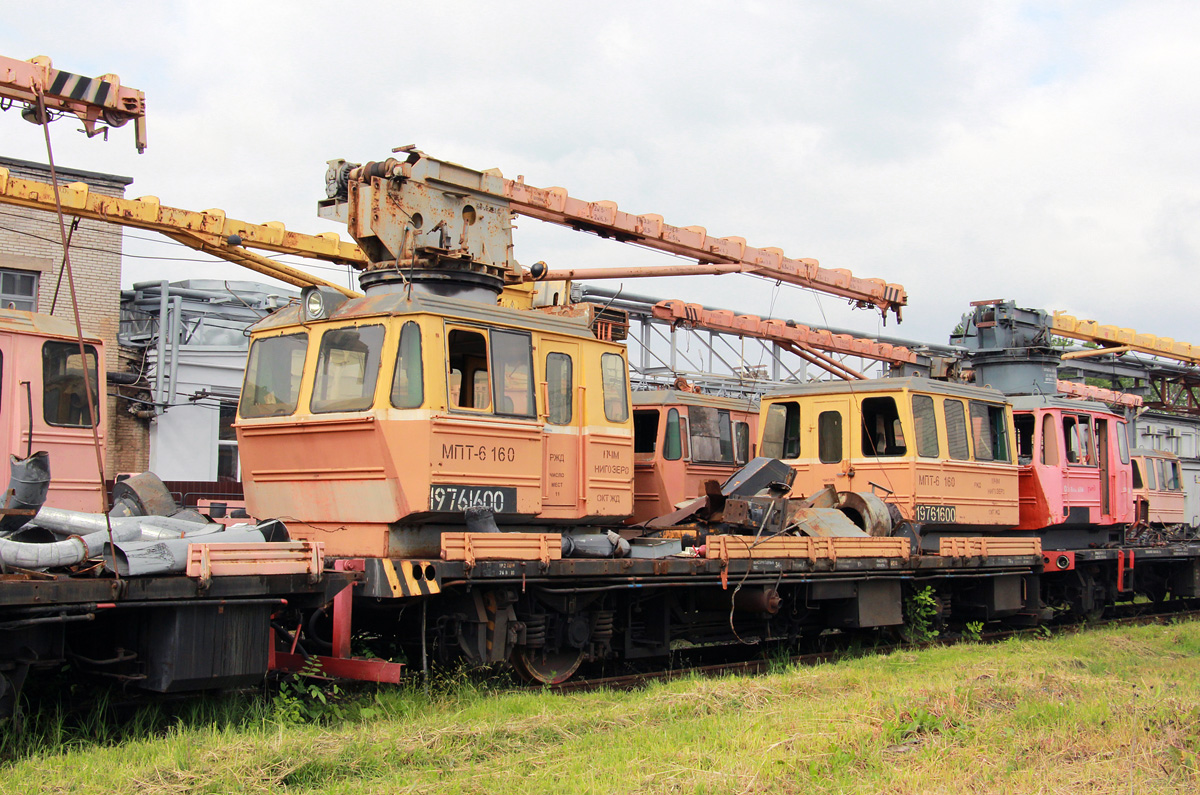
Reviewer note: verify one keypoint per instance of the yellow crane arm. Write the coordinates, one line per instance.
(210, 231)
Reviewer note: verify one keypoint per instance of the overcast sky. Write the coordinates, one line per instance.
(1044, 152)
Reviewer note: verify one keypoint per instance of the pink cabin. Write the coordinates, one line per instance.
(682, 439)
(1075, 472)
(1157, 487)
(44, 405)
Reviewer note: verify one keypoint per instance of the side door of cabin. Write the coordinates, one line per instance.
(1081, 475)
(829, 449)
(562, 447)
(490, 439)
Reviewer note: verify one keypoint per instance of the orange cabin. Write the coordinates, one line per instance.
(683, 439)
(1157, 487)
(377, 426)
(940, 452)
(44, 404)
(1075, 469)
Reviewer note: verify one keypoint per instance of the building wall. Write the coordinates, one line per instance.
(184, 439)
(30, 241)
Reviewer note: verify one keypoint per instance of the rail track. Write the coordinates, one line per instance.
(1141, 614)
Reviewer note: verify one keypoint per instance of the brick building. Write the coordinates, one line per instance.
(30, 265)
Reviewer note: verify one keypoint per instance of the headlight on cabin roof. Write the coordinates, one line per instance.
(314, 306)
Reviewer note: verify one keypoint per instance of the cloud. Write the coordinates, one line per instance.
(1038, 152)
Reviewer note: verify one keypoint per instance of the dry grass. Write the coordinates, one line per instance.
(1100, 712)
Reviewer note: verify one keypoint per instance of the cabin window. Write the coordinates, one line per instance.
(673, 440)
(469, 386)
(560, 388)
(1123, 441)
(925, 425)
(781, 431)
(956, 430)
(1024, 425)
(712, 436)
(64, 396)
(1172, 472)
(408, 383)
(272, 387)
(741, 442)
(347, 369)
(882, 434)
(512, 373)
(645, 430)
(1137, 474)
(1151, 483)
(989, 432)
(1077, 435)
(1049, 440)
(829, 437)
(613, 376)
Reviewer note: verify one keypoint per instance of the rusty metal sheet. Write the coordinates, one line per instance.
(732, 547)
(470, 547)
(984, 546)
(206, 561)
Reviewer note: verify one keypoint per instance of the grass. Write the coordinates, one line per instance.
(1104, 711)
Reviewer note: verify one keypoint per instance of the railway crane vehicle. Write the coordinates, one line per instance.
(464, 451)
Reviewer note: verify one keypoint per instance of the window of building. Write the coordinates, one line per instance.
(469, 385)
(347, 369)
(882, 433)
(956, 430)
(227, 447)
(829, 437)
(408, 382)
(18, 290)
(613, 375)
(272, 386)
(989, 432)
(560, 387)
(64, 395)
(512, 373)
(741, 442)
(712, 435)
(675, 439)
(925, 425)
(645, 430)
(781, 431)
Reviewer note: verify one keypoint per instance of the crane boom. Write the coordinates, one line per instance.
(210, 231)
(93, 100)
(395, 207)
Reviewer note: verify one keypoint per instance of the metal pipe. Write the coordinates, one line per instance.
(73, 550)
(176, 335)
(161, 354)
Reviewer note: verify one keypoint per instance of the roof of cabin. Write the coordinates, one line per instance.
(400, 304)
(881, 385)
(1147, 451)
(20, 322)
(1030, 402)
(675, 397)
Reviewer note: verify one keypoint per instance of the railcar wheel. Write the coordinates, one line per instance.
(547, 668)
